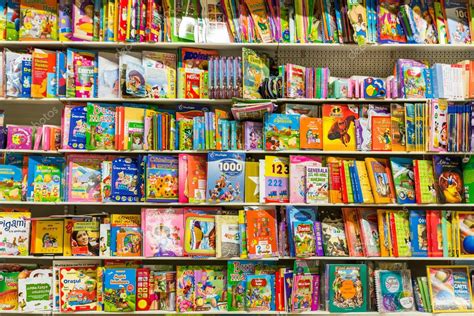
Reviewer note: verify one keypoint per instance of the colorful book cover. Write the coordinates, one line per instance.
(260, 293)
(81, 236)
(108, 75)
(13, 20)
(39, 20)
(380, 180)
(338, 127)
(304, 215)
(398, 127)
(464, 233)
(160, 74)
(302, 293)
(17, 70)
(261, 233)
(438, 135)
(125, 180)
(78, 289)
(255, 69)
(100, 132)
(297, 185)
(253, 135)
(125, 235)
(85, 69)
(43, 73)
(353, 232)
(348, 288)
(132, 75)
(369, 232)
(45, 178)
(64, 20)
(185, 288)
(237, 272)
(317, 185)
(403, 179)
(162, 178)
(424, 182)
(47, 236)
(163, 230)
(311, 132)
(76, 129)
(227, 185)
(252, 191)
(276, 179)
(449, 179)
(334, 236)
(84, 177)
(457, 18)
(414, 82)
(394, 291)
(449, 288)
(418, 233)
(381, 133)
(120, 290)
(19, 137)
(195, 182)
(303, 235)
(228, 237)
(199, 235)
(210, 286)
(82, 20)
(281, 131)
(14, 233)
(468, 176)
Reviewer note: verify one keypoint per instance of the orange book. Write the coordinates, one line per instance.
(468, 77)
(381, 181)
(311, 132)
(353, 233)
(381, 133)
(338, 127)
(335, 181)
(43, 74)
(197, 178)
(261, 233)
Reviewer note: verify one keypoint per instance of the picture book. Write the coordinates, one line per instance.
(14, 233)
(260, 293)
(119, 290)
(11, 178)
(353, 232)
(35, 290)
(160, 74)
(304, 216)
(43, 75)
(192, 178)
(457, 18)
(464, 233)
(418, 233)
(450, 288)
(347, 288)
(226, 185)
(380, 180)
(281, 131)
(227, 237)
(100, 131)
(185, 288)
(424, 182)
(261, 233)
(403, 179)
(64, 20)
(78, 288)
(252, 190)
(334, 237)
(12, 12)
(303, 234)
(163, 231)
(297, 177)
(81, 80)
(237, 272)
(75, 127)
(125, 180)
(108, 75)
(210, 289)
(338, 127)
(438, 126)
(400, 233)
(468, 177)
(448, 179)
(317, 185)
(276, 179)
(18, 71)
(84, 177)
(162, 178)
(19, 137)
(394, 291)
(253, 138)
(9, 288)
(82, 23)
(398, 130)
(381, 133)
(414, 82)
(132, 75)
(47, 236)
(311, 132)
(125, 235)
(255, 68)
(38, 20)
(45, 178)
(199, 235)
(302, 293)
(369, 232)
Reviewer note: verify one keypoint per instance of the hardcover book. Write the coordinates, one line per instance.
(348, 288)
(162, 229)
(338, 127)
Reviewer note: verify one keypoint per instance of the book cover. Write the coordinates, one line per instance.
(464, 233)
(438, 136)
(226, 185)
(276, 179)
(15, 233)
(253, 135)
(394, 291)
(108, 82)
(81, 237)
(297, 177)
(38, 20)
(228, 237)
(403, 179)
(199, 235)
(369, 232)
(84, 178)
(210, 289)
(468, 176)
(132, 75)
(35, 291)
(304, 216)
(261, 233)
(348, 288)
(160, 74)
(302, 293)
(311, 132)
(75, 127)
(78, 289)
(120, 290)
(338, 127)
(418, 233)
(380, 180)
(449, 179)
(19, 137)
(100, 131)
(281, 131)
(303, 235)
(125, 180)
(255, 68)
(163, 230)
(424, 182)
(260, 293)
(317, 185)
(353, 232)
(398, 127)
(196, 178)
(161, 178)
(334, 236)
(381, 133)
(45, 179)
(237, 272)
(252, 190)
(457, 18)
(47, 236)
(82, 23)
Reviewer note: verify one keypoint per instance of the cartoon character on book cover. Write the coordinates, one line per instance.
(210, 289)
(338, 127)
(282, 131)
(163, 229)
(226, 182)
(466, 234)
(449, 182)
(347, 288)
(200, 235)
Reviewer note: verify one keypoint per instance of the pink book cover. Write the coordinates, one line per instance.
(19, 137)
(46, 138)
(315, 302)
(298, 166)
(163, 230)
(39, 134)
(148, 133)
(65, 126)
(84, 76)
(182, 178)
(84, 178)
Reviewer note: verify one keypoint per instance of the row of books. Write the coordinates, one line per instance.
(239, 21)
(187, 178)
(251, 233)
(239, 286)
(411, 80)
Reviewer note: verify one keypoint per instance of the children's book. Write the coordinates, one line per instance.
(82, 20)
(255, 68)
(185, 288)
(418, 233)
(297, 177)
(468, 176)
(132, 75)
(192, 178)
(380, 180)
(303, 234)
(304, 216)
(81, 236)
(163, 231)
(125, 180)
(302, 293)
(353, 232)
(252, 188)
(100, 132)
(317, 185)
(464, 233)
(403, 179)
(276, 179)
(338, 127)
(457, 18)
(11, 178)
(14, 233)
(261, 233)
(253, 135)
(17, 71)
(369, 232)
(199, 234)
(381, 133)
(19, 137)
(45, 179)
(38, 20)
(108, 75)
(394, 291)
(311, 132)
(125, 235)
(348, 288)
(210, 289)
(334, 237)
(35, 290)
(75, 127)
(227, 184)
(237, 272)
(84, 178)
(78, 288)
(162, 178)
(47, 236)
(449, 288)
(398, 127)
(449, 179)
(437, 140)
(160, 74)
(228, 236)
(120, 290)
(281, 131)
(260, 293)
(424, 182)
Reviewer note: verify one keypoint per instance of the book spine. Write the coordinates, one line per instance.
(318, 232)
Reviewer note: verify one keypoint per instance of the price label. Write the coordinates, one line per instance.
(276, 166)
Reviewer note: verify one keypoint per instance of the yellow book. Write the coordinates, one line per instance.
(339, 127)
(15, 233)
(251, 182)
(47, 236)
(383, 234)
(380, 178)
(148, 140)
(464, 233)
(367, 194)
(134, 119)
(227, 236)
(335, 184)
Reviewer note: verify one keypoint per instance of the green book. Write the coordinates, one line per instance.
(347, 175)
(426, 182)
(402, 231)
(468, 176)
(347, 288)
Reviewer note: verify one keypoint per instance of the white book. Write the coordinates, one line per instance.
(108, 75)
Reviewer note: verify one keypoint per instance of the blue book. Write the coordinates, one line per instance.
(264, 285)
(355, 185)
(418, 233)
(26, 77)
(60, 74)
(298, 214)
(125, 180)
(226, 182)
(45, 181)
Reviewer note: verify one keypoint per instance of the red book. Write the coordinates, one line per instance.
(393, 235)
(417, 182)
(279, 300)
(434, 231)
(43, 74)
(122, 20)
(343, 183)
(143, 289)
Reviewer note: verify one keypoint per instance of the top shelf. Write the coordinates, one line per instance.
(231, 46)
